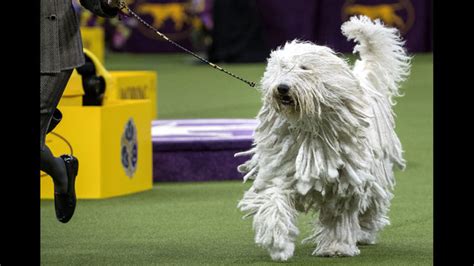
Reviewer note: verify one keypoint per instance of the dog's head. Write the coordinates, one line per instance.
(303, 80)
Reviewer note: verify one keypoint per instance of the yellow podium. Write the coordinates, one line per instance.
(73, 92)
(120, 85)
(93, 40)
(113, 145)
(112, 141)
(134, 85)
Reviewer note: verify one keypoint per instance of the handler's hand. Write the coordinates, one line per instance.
(114, 3)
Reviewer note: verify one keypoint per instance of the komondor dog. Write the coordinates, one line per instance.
(326, 142)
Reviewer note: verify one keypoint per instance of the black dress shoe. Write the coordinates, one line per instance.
(65, 203)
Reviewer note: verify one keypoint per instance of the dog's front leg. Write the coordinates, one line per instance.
(274, 220)
(337, 229)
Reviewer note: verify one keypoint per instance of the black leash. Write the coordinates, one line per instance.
(123, 5)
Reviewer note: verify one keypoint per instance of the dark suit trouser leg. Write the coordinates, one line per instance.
(52, 86)
(51, 90)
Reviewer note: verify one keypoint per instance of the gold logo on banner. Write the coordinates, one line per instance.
(177, 12)
(162, 12)
(400, 14)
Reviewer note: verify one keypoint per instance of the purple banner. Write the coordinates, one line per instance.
(181, 20)
(320, 21)
(412, 18)
(283, 21)
(189, 22)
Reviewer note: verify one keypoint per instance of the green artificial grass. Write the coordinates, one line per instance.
(198, 223)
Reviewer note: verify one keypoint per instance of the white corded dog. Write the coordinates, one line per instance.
(326, 142)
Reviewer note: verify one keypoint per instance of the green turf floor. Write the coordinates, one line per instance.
(198, 223)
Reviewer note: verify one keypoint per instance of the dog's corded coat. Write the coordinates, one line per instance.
(328, 144)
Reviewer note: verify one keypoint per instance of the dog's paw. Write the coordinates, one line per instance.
(282, 253)
(280, 247)
(366, 238)
(337, 250)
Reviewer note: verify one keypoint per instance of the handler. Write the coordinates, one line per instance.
(61, 52)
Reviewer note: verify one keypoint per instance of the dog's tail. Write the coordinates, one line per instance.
(381, 51)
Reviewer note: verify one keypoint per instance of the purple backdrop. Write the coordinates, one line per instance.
(283, 21)
(320, 20)
(187, 21)
(183, 21)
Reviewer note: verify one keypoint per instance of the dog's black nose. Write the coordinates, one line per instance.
(283, 89)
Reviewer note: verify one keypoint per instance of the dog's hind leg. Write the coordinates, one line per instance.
(374, 218)
(335, 232)
(274, 219)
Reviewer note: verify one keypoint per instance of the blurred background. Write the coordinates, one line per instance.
(246, 30)
(168, 195)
